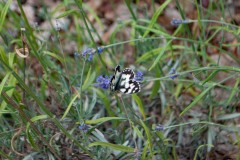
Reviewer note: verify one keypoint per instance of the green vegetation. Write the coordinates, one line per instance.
(55, 74)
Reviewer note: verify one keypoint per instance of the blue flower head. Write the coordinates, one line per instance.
(173, 74)
(159, 127)
(90, 57)
(103, 81)
(83, 127)
(100, 50)
(138, 76)
(86, 51)
(90, 52)
(76, 54)
(177, 22)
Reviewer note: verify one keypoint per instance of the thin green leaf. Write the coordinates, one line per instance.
(154, 52)
(106, 102)
(40, 117)
(156, 15)
(92, 104)
(201, 146)
(228, 116)
(31, 140)
(89, 80)
(160, 55)
(139, 133)
(11, 82)
(156, 85)
(99, 135)
(54, 56)
(104, 119)
(234, 90)
(210, 134)
(157, 31)
(11, 59)
(198, 14)
(4, 13)
(29, 133)
(94, 15)
(148, 133)
(69, 106)
(210, 77)
(3, 55)
(113, 146)
(6, 111)
(34, 119)
(144, 153)
(66, 13)
(128, 3)
(4, 80)
(178, 90)
(196, 100)
(140, 105)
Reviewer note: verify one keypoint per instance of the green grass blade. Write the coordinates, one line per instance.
(140, 105)
(153, 30)
(156, 85)
(95, 16)
(3, 55)
(4, 13)
(210, 77)
(149, 136)
(106, 101)
(196, 100)
(152, 53)
(66, 13)
(199, 14)
(104, 119)
(4, 80)
(54, 55)
(144, 153)
(234, 90)
(138, 132)
(228, 116)
(113, 146)
(69, 106)
(130, 9)
(89, 80)
(32, 141)
(29, 132)
(200, 147)
(11, 82)
(156, 15)
(160, 55)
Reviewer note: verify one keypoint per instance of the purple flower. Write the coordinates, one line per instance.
(83, 127)
(100, 50)
(177, 22)
(138, 76)
(90, 52)
(103, 81)
(90, 57)
(76, 54)
(173, 74)
(159, 127)
(86, 51)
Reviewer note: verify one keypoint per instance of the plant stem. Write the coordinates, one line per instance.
(131, 125)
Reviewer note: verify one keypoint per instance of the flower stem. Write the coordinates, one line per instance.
(130, 123)
(80, 113)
